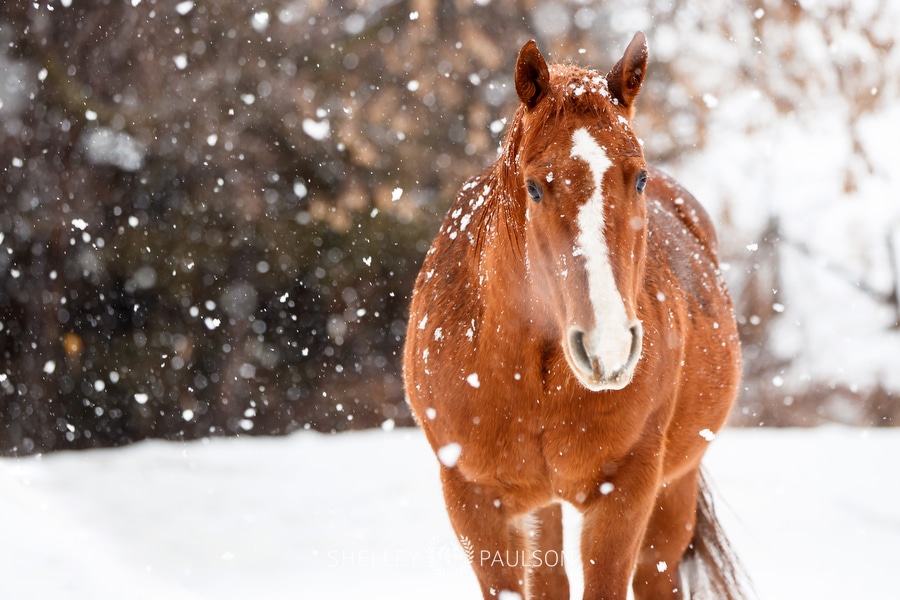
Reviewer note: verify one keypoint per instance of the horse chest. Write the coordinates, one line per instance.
(557, 444)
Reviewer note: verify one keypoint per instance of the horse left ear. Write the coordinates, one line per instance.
(626, 77)
(532, 75)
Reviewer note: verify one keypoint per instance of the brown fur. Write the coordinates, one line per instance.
(484, 366)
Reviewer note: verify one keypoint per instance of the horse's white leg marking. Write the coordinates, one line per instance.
(611, 339)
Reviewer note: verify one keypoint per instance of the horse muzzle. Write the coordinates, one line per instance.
(604, 359)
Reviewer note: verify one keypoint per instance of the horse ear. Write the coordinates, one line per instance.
(532, 75)
(626, 77)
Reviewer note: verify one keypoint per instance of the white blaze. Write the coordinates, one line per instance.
(611, 339)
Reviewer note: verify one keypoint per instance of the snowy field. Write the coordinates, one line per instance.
(813, 513)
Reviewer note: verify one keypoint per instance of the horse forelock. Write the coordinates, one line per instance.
(573, 91)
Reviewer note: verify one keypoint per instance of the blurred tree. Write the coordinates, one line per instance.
(191, 245)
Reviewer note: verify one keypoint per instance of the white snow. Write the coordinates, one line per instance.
(317, 130)
(105, 146)
(813, 514)
(260, 21)
(707, 434)
(183, 8)
(449, 454)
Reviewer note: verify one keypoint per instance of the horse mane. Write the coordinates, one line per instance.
(572, 90)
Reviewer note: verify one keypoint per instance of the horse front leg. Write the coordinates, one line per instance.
(492, 535)
(671, 527)
(547, 573)
(615, 518)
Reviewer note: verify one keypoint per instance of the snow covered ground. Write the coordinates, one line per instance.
(813, 513)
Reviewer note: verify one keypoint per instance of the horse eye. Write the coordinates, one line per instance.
(641, 182)
(534, 190)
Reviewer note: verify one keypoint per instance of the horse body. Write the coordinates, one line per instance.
(548, 361)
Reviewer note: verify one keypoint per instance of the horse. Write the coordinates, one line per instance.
(571, 339)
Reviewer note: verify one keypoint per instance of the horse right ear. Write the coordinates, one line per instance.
(627, 75)
(532, 75)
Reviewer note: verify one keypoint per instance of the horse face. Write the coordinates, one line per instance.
(583, 177)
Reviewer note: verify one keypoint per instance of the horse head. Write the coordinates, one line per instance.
(579, 170)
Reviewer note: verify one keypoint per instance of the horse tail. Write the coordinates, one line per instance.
(710, 565)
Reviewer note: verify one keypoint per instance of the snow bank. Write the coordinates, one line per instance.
(813, 513)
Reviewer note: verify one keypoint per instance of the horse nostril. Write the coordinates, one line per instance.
(578, 350)
(637, 338)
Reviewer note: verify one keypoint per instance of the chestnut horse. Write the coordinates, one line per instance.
(571, 339)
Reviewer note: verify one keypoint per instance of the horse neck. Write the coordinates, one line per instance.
(497, 223)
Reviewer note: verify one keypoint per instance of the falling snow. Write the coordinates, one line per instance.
(317, 130)
(449, 454)
(183, 8)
